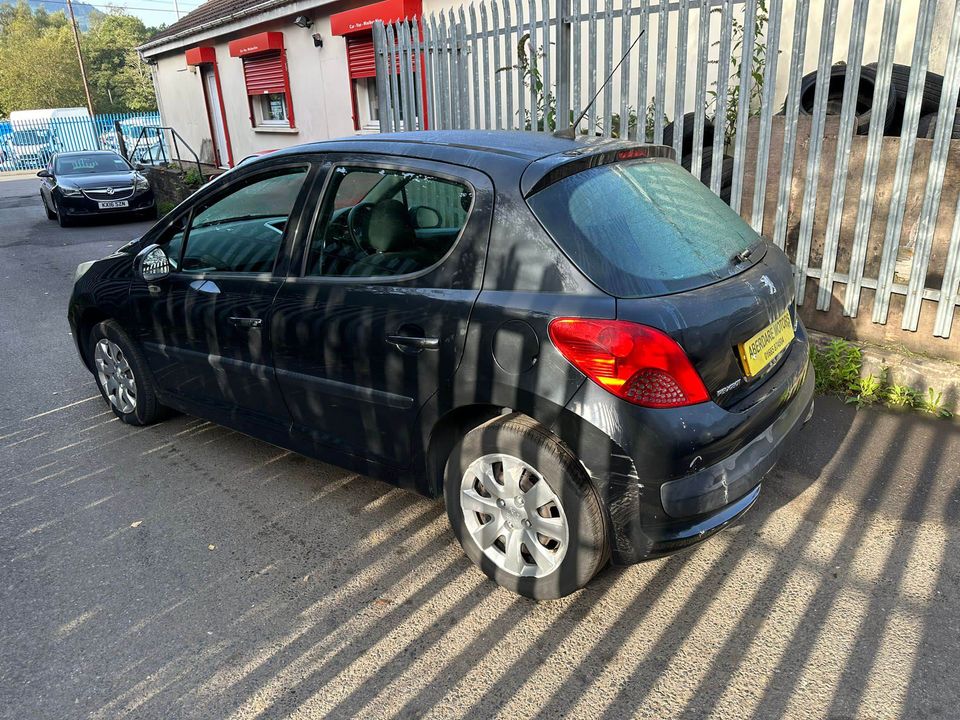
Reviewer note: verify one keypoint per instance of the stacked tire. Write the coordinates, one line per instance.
(863, 117)
(892, 122)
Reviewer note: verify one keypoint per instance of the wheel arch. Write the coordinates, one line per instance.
(446, 433)
(88, 319)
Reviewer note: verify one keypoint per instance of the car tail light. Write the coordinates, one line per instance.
(637, 363)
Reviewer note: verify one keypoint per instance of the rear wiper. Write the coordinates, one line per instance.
(742, 256)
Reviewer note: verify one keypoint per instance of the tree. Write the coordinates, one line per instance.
(39, 69)
(119, 80)
(38, 65)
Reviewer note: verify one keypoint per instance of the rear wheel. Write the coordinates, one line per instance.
(122, 375)
(523, 510)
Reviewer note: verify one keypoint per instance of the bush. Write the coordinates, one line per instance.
(193, 179)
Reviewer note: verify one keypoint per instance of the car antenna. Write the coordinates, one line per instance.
(570, 133)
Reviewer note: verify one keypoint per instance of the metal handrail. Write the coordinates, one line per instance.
(147, 130)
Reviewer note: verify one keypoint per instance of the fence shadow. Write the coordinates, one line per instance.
(341, 596)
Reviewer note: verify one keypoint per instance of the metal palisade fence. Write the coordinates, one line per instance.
(29, 139)
(833, 143)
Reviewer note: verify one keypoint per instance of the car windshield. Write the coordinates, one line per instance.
(645, 228)
(90, 164)
(29, 137)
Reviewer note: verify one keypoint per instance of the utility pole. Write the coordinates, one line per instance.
(83, 70)
(176, 8)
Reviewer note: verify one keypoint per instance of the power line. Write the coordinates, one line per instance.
(119, 7)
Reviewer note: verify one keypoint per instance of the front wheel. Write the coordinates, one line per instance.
(523, 509)
(122, 375)
(62, 218)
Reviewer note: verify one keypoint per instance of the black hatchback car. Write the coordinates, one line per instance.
(93, 184)
(587, 353)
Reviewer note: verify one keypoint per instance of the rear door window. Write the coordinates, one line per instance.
(379, 222)
(645, 228)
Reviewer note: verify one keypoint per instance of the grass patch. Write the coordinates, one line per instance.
(838, 368)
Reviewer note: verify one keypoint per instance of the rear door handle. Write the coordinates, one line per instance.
(245, 322)
(413, 342)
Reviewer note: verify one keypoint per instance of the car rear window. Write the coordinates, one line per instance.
(644, 228)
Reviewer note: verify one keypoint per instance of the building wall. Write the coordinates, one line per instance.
(319, 88)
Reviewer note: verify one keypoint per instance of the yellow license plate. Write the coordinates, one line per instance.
(760, 350)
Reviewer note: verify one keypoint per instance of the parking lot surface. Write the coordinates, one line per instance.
(184, 570)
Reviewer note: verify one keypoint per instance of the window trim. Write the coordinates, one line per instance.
(330, 169)
(223, 192)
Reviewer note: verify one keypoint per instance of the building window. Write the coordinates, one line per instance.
(367, 112)
(373, 107)
(271, 109)
(265, 75)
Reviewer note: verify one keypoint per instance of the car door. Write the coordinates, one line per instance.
(204, 326)
(376, 318)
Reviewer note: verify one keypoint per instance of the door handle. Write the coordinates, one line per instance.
(413, 342)
(245, 322)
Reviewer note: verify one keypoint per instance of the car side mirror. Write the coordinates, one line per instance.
(152, 263)
(425, 217)
(45, 174)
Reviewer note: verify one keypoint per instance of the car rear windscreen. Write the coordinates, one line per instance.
(645, 228)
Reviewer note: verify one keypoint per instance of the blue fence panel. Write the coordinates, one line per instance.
(29, 143)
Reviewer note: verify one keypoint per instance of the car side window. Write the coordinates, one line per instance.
(242, 230)
(377, 222)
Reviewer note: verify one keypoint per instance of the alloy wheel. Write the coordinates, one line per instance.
(116, 376)
(513, 515)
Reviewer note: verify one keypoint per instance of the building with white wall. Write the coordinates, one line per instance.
(238, 78)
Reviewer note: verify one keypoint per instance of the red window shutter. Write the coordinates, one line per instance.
(361, 60)
(264, 74)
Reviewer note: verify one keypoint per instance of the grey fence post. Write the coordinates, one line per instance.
(563, 63)
(383, 93)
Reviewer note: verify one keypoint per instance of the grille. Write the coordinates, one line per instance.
(119, 193)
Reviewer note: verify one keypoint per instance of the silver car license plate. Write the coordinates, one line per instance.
(108, 204)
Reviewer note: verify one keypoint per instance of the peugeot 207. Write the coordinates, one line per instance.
(584, 351)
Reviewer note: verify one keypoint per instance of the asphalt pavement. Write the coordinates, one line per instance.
(187, 571)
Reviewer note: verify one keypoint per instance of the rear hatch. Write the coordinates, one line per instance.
(678, 259)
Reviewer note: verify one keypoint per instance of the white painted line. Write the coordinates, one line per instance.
(62, 407)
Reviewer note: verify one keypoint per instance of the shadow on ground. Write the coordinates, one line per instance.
(257, 583)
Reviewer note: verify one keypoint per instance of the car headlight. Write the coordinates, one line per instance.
(82, 269)
(70, 191)
(141, 183)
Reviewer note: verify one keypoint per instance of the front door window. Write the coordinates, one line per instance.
(242, 231)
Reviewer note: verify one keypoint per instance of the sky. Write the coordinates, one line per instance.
(152, 12)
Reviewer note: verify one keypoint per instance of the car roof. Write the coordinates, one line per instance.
(477, 148)
(511, 143)
(86, 152)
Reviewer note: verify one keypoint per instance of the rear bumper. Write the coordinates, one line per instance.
(670, 478)
(720, 484)
(714, 497)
